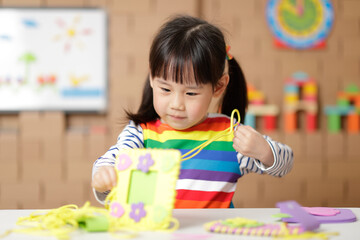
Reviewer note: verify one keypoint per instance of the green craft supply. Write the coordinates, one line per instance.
(94, 224)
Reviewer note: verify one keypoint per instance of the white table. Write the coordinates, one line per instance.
(191, 225)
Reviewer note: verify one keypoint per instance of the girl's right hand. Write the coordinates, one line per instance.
(104, 179)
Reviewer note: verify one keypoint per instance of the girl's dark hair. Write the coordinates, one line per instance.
(188, 47)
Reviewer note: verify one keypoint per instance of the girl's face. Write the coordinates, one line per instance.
(182, 106)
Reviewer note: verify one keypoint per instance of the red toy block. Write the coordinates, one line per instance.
(270, 123)
(310, 122)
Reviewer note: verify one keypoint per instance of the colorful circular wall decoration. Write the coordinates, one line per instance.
(300, 24)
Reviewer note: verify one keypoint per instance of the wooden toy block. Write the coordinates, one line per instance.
(309, 98)
(290, 122)
(270, 123)
(357, 101)
(342, 101)
(352, 89)
(300, 95)
(263, 110)
(334, 123)
(339, 110)
(250, 120)
(353, 123)
(302, 105)
(309, 107)
(311, 122)
(310, 89)
(291, 98)
(291, 89)
(258, 108)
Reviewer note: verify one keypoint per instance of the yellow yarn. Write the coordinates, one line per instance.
(228, 131)
(62, 221)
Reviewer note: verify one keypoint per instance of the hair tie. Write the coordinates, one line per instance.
(228, 55)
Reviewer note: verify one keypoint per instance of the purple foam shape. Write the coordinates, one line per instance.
(307, 221)
(345, 216)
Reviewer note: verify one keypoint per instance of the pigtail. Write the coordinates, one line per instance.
(235, 96)
(146, 112)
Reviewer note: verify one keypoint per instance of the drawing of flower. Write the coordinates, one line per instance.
(145, 161)
(137, 211)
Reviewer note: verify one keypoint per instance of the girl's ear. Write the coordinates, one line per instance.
(151, 81)
(221, 85)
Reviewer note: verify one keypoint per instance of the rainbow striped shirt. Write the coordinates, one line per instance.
(208, 180)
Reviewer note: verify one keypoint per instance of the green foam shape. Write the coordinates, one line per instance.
(94, 224)
(281, 215)
(142, 187)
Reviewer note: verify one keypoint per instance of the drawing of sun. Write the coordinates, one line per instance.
(71, 34)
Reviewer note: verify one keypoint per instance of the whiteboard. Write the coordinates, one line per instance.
(53, 59)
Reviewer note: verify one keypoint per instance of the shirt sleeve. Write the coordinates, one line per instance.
(130, 137)
(283, 160)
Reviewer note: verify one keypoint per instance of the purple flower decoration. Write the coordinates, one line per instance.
(137, 211)
(145, 161)
(124, 162)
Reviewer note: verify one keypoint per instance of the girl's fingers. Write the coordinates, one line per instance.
(104, 179)
(112, 176)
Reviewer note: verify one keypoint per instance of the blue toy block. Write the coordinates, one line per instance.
(250, 120)
(339, 110)
(290, 88)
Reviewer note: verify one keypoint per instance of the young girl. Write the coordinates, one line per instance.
(189, 67)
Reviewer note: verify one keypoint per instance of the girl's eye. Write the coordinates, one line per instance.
(165, 90)
(191, 94)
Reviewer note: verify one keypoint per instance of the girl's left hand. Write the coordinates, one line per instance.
(251, 143)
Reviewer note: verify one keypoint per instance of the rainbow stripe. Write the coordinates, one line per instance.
(209, 179)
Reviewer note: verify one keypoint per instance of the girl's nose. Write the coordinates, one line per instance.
(177, 102)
